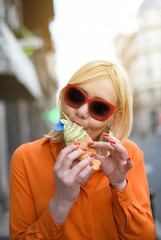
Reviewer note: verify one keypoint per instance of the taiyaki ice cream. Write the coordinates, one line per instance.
(74, 133)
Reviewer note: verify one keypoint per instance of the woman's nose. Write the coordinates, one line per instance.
(82, 111)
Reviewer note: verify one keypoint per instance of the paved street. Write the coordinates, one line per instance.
(152, 154)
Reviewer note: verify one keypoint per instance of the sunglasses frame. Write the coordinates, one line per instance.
(89, 101)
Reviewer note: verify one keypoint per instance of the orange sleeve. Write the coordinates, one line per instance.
(24, 223)
(131, 206)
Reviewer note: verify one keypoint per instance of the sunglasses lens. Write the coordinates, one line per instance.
(99, 109)
(75, 97)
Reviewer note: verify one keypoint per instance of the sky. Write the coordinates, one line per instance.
(84, 30)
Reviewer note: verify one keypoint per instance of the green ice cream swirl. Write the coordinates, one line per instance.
(73, 132)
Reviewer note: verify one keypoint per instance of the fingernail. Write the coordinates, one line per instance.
(91, 164)
(112, 142)
(90, 143)
(106, 134)
(77, 143)
(92, 155)
(129, 158)
(83, 149)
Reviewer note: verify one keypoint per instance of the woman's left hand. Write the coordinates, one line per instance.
(116, 165)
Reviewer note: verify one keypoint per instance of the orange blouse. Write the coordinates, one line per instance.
(99, 212)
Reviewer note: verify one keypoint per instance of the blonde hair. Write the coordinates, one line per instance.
(96, 70)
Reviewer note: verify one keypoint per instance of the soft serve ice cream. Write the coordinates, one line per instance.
(73, 133)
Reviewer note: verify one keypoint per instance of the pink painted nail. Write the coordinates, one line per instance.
(112, 142)
(91, 164)
(90, 143)
(106, 134)
(83, 149)
(129, 158)
(92, 155)
(77, 143)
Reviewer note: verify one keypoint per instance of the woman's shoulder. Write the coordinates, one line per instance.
(37, 150)
(31, 155)
(34, 145)
(30, 149)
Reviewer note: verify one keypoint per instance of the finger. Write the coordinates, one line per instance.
(99, 157)
(101, 145)
(87, 176)
(129, 164)
(68, 160)
(81, 165)
(108, 137)
(84, 175)
(119, 148)
(64, 153)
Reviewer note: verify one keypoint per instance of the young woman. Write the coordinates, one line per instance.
(54, 196)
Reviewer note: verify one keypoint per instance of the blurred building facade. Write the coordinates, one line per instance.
(140, 54)
(28, 83)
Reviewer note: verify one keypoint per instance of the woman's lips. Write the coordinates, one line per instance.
(76, 123)
(79, 125)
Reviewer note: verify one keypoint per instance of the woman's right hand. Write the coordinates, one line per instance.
(69, 173)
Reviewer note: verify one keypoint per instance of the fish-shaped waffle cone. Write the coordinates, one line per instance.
(73, 133)
(89, 150)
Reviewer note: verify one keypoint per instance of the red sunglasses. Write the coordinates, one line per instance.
(99, 109)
